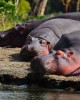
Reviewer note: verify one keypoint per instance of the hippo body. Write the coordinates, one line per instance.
(16, 36)
(50, 31)
(74, 16)
(53, 29)
(65, 60)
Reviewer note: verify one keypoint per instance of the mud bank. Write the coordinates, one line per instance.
(14, 71)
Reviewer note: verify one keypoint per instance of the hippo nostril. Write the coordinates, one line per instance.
(59, 53)
(26, 47)
(32, 49)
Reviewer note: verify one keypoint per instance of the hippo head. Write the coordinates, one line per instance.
(6, 37)
(34, 47)
(13, 37)
(22, 29)
(61, 63)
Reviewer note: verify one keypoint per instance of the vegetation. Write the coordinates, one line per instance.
(13, 12)
(17, 11)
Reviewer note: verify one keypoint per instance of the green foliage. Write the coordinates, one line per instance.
(24, 8)
(2, 4)
(7, 7)
(8, 16)
(16, 11)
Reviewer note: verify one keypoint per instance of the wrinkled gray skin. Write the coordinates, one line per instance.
(66, 64)
(50, 31)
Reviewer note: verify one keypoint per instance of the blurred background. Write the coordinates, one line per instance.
(18, 11)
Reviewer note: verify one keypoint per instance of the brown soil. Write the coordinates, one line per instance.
(11, 64)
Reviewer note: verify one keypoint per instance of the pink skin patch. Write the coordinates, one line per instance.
(44, 52)
(66, 62)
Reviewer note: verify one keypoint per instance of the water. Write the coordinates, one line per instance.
(22, 93)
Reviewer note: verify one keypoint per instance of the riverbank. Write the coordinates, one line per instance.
(14, 71)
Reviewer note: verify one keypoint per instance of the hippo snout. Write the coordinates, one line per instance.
(4, 41)
(43, 64)
(27, 53)
(37, 65)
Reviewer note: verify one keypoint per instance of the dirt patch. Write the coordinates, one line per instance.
(11, 64)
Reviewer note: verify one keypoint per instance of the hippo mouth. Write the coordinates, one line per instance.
(45, 64)
(37, 65)
(27, 55)
(5, 41)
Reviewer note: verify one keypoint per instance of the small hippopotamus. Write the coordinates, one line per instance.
(64, 61)
(16, 36)
(41, 40)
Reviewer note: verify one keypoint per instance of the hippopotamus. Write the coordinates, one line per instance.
(16, 36)
(65, 60)
(42, 40)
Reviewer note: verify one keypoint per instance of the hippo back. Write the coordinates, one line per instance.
(53, 29)
(72, 15)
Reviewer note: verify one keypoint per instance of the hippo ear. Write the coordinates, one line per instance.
(49, 46)
(48, 42)
(70, 54)
(31, 38)
(16, 27)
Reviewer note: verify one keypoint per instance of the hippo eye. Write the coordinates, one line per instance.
(29, 40)
(42, 42)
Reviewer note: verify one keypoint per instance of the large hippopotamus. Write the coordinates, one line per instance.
(42, 40)
(64, 61)
(16, 36)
